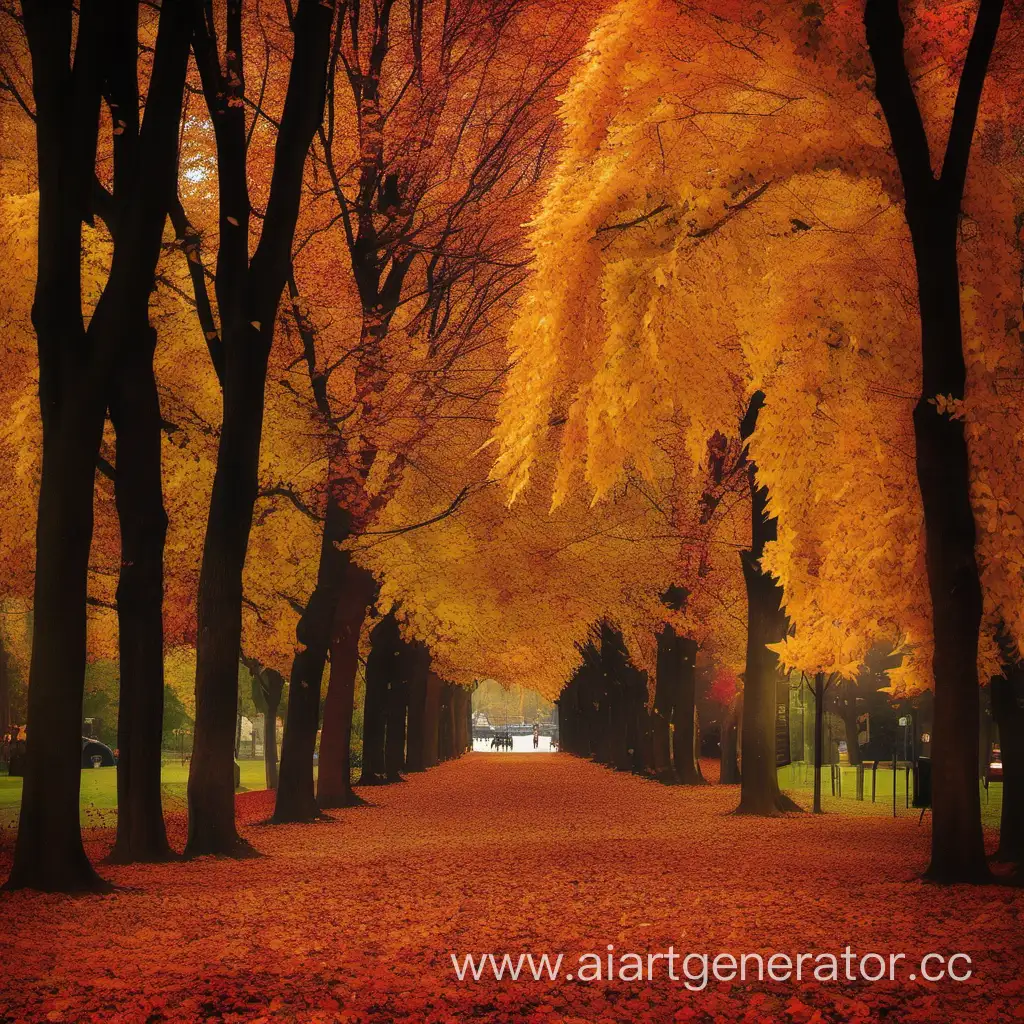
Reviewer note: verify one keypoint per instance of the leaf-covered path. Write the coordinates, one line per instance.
(356, 919)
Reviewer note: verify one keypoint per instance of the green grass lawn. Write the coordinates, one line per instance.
(99, 790)
(800, 777)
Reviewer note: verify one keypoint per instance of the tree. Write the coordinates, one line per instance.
(267, 689)
(426, 173)
(334, 780)
(932, 208)
(635, 337)
(248, 293)
(141, 198)
(112, 364)
(49, 854)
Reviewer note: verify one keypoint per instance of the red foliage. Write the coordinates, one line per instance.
(724, 686)
(355, 919)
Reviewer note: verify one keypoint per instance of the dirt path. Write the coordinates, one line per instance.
(356, 919)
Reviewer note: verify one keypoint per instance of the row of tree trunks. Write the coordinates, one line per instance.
(412, 720)
(603, 712)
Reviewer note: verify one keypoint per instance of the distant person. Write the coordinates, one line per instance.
(536, 735)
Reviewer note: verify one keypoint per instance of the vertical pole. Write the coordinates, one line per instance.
(831, 760)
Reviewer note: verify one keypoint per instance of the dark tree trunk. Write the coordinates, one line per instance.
(419, 666)
(442, 723)
(296, 800)
(397, 707)
(270, 746)
(334, 778)
(250, 296)
(122, 315)
(1008, 710)
(932, 209)
(616, 678)
(643, 757)
(432, 721)
(135, 413)
(729, 744)
(49, 854)
(684, 737)
(665, 689)
(384, 641)
(819, 736)
(465, 732)
(766, 623)
(458, 721)
(446, 730)
(5, 690)
(452, 723)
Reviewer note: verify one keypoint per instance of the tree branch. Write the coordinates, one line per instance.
(884, 29)
(283, 490)
(968, 100)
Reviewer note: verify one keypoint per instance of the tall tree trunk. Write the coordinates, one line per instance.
(684, 737)
(452, 723)
(397, 707)
(457, 721)
(1008, 710)
(766, 623)
(415, 760)
(270, 746)
(5, 690)
(665, 689)
(932, 209)
(296, 800)
(432, 721)
(380, 666)
(135, 412)
(122, 314)
(446, 731)
(252, 294)
(49, 854)
(729, 774)
(819, 736)
(334, 777)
